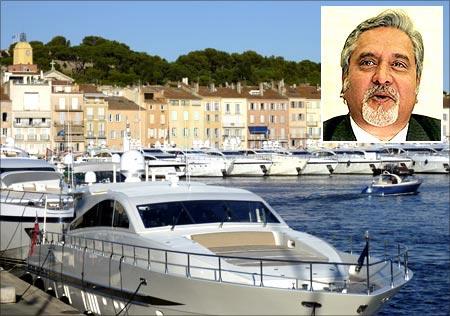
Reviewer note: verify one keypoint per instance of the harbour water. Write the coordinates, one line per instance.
(331, 207)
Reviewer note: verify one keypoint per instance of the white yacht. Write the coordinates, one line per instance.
(239, 164)
(200, 164)
(387, 158)
(165, 248)
(353, 161)
(31, 190)
(317, 162)
(283, 162)
(161, 163)
(425, 159)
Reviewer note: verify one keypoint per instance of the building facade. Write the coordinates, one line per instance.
(267, 117)
(6, 111)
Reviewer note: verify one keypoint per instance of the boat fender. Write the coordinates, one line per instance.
(64, 299)
(348, 163)
(426, 161)
(39, 283)
(27, 277)
(51, 291)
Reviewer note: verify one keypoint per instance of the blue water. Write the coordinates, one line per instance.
(331, 207)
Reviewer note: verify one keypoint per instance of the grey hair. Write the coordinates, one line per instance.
(389, 18)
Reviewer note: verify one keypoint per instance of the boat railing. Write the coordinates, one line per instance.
(247, 270)
(54, 201)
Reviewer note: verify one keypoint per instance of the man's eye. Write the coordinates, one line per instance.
(366, 63)
(399, 64)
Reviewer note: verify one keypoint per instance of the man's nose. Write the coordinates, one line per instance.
(382, 75)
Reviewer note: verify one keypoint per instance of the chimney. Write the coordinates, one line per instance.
(196, 87)
(212, 88)
(226, 84)
(232, 85)
(261, 89)
(281, 87)
(238, 87)
(185, 81)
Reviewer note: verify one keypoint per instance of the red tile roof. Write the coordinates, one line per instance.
(122, 103)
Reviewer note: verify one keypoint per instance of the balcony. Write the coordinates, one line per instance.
(44, 137)
(70, 138)
(90, 117)
(19, 137)
(312, 123)
(68, 109)
(31, 137)
(101, 117)
(101, 134)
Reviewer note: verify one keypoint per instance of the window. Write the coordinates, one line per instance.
(62, 117)
(195, 131)
(101, 215)
(173, 102)
(75, 104)
(152, 119)
(90, 113)
(227, 108)
(238, 108)
(216, 117)
(101, 112)
(196, 116)
(445, 117)
(62, 103)
(185, 132)
(120, 218)
(216, 106)
(4, 131)
(174, 115)
(272, 106)
(174, 132)
(261, 118)
(208, 118)
(226, 132)
(118, 117)
(208, 107)
(252, 106)
(110, 117)
(186, 115)
(204, 211)
(184, 102)
(162, 119)
(252, 119)
(30, 101)
(216, 132)
(261, 106)
(4, 116)
(208, 132)
(113, 134)
(292, 104)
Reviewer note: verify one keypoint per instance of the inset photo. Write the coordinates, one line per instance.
(381, 73)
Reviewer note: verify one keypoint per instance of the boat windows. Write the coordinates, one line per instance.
(204, 211)
(101, 215)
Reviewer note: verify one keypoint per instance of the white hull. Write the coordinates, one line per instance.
(286, 166)
(103, 284)
(248, 169)
(356, 167)
(431, 164)
(319, 168)
(206, 169)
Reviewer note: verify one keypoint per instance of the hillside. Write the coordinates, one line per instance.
(103, 61)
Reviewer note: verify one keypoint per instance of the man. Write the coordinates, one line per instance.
(382, 62)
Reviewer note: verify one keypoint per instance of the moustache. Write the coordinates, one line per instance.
(384, 90)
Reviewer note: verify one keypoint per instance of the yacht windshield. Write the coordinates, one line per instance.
(204, 211)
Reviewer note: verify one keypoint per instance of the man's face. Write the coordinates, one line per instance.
(380, 88)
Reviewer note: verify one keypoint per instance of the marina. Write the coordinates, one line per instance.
(303, 201)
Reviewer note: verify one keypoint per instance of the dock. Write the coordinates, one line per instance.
(29, 300)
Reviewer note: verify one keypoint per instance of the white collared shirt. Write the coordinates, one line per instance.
(362, 136)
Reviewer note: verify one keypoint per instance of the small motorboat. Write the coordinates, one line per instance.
(387, 183)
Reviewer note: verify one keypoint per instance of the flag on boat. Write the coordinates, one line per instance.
(361, 258)
(34, 236)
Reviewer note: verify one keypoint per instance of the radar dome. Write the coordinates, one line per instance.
(132, 165)
(90, 177)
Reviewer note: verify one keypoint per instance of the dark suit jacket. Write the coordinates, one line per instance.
(421, 128)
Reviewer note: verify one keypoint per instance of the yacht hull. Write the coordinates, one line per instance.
(173, 295)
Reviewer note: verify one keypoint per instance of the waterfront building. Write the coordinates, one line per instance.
(446, 119)
(233, 117)
(67, 113)
(157, 129)
(5, 106)
(185, 121)
(212, 115)
(304, 115)
(267, 116)
(124, 116)
(95, 109)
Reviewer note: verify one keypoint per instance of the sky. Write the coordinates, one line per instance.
(290, 29)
